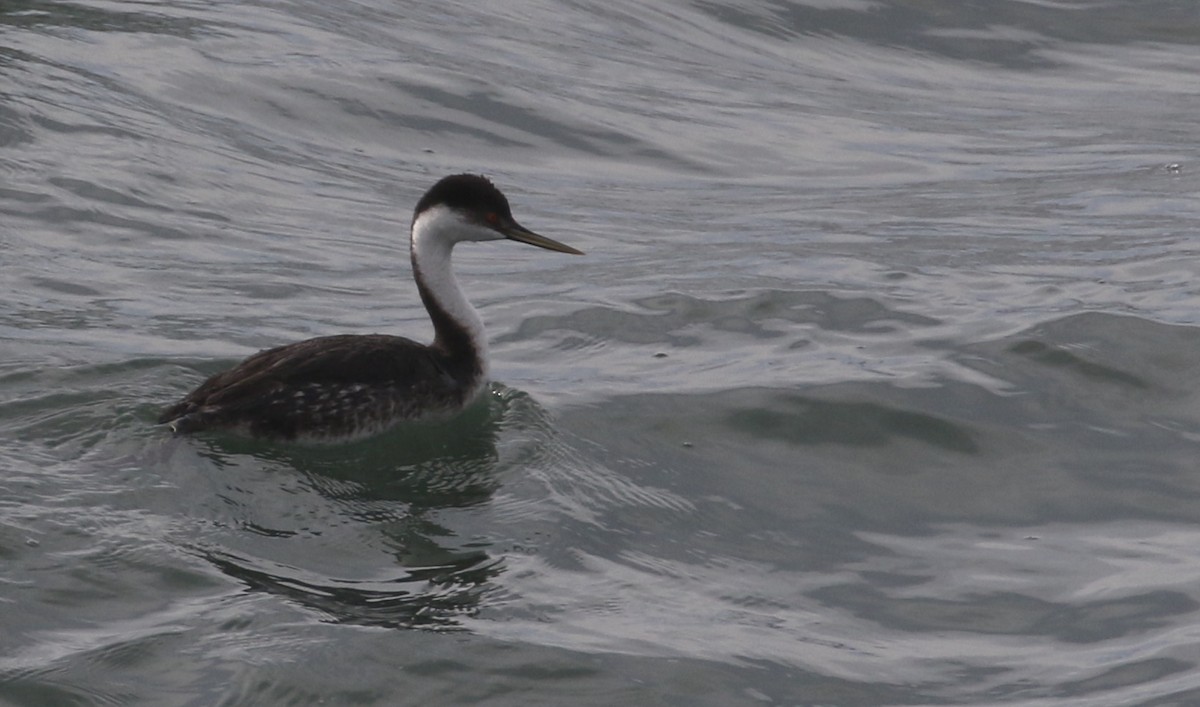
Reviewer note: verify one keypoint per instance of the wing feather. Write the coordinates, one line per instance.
(345, 360)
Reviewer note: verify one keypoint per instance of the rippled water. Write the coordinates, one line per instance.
(878, 384)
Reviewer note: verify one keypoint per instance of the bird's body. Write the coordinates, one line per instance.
(338, 388)
(332, 388)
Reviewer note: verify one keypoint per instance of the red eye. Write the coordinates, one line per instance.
(493, 218)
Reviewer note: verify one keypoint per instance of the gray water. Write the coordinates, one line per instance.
(877, 385)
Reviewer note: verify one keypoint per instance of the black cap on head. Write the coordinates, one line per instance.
(467, 193)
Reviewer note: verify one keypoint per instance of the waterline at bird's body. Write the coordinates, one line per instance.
(339, 388)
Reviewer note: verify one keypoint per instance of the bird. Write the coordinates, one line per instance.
(341, 388)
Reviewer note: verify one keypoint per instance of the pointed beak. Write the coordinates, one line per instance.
(516, 232)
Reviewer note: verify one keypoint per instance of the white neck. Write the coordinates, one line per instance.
(434, 234)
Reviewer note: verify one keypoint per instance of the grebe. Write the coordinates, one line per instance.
(338, 388)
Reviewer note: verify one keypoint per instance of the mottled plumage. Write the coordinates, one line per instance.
(336, 388)
(327, 388)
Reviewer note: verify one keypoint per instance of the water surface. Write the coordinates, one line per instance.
(877, 385)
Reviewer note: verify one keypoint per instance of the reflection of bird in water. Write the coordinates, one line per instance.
(425, 596)
(338, 388)
(395, 509)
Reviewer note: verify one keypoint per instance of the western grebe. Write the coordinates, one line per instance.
(337, 388)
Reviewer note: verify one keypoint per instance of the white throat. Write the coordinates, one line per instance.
(434, 234)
